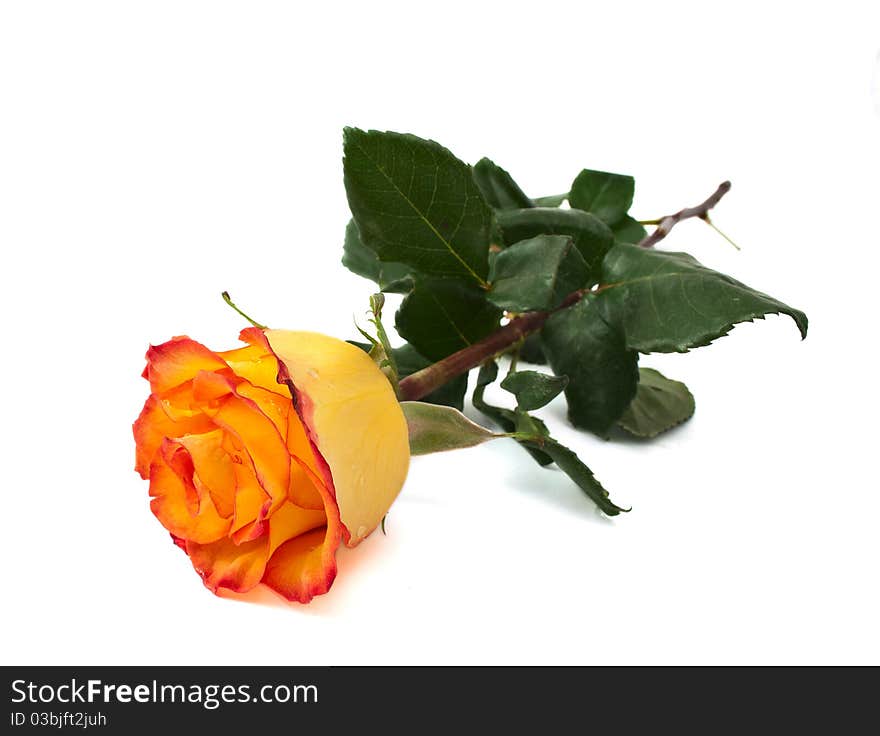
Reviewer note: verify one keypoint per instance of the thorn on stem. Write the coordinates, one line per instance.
(718, 230)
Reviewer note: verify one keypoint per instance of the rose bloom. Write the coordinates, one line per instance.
(261, 460)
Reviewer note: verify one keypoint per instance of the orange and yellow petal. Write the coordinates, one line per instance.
(275, 407)
(154, 425)
(354, 419)
(308, 467)
(178, 361)
(213, 468)
(305, 565)
(290, 521)
(177, 503)
(252, 504)
(304, 484)
(257, 365)
(301, 568)
(252, 490)
(256, 433)
(224, 564)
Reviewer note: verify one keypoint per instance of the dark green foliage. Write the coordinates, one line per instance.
(498, 187)
(668, 302)
(533, 389)
(660, 404)
(592, 237)
(415, 203)
(602, 372)
(607, 196)
(537, 274)
(466, 244)
(440, 316)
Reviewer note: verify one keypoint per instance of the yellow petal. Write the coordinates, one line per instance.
(353, 418)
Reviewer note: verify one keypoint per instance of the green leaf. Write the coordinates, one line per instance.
(591, 236)
(415, 203)
(602, 372)
(552, 200)
(660, 404)
(435, 428)
(534, 437)
(629, 230)
(608, 196)
(532, 351)
(506, 418)
(572, 466)
(537, 274)
(441, 316)
(409, 361)
(498, 187)
(528, 427)
(356, 257)
(533, 389)
(668, 302)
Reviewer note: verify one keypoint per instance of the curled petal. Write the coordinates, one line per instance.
(252, 504)
(263, 459)
(353, 418)
(274, 406)
(206, 389)
(154, 425)
(224, 564)
(177, 361)
(290, 521)
(177, 503)
(306, 466)
(303, 559)
(213, 468)
(255, 364)
(303, 567)
(252, 429)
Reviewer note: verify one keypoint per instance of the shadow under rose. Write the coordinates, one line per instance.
(349, 562)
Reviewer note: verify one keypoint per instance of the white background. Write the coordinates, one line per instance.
(154, 154)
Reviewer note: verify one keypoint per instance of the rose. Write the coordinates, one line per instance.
(261, 460)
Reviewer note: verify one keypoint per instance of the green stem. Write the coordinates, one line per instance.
(228, 300)
(514, 356)
(423, 382)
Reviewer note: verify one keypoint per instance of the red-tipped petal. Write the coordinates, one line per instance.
(178, 361)
(353, 418)
(302, 567)
(305, 565)
(154, 425)
(257, 365)
(176, 502)
(224, 564)
(255, 432)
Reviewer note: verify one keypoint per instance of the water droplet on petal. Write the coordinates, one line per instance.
(362, 532)
(312, 373)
